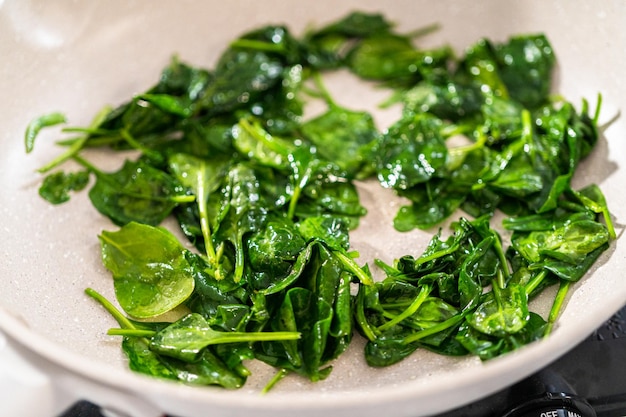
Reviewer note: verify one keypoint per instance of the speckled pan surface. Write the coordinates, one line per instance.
(75, 56)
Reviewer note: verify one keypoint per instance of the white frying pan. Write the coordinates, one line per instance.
(74, 57)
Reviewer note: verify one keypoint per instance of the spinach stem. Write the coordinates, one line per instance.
(596, 115)
(239, 262)
(409, 311)
(78, 144)
(96, 141)
(238, 337)
(557, 306)
(134, 143)
(182, 198)
(354, 268)
(85, 130)
(505, 271)
(535, 281)
(293, 202)
(213, 337)
(457, 154)
(497, 294)
(131, 332)
(204, 217)
(609, 223)
(527, 127)
(423, 31)
(325, 94)
(366, 328)
(241, 370)
(257, 45)
(446, 324)
(282, 373)
(117, 315)
(435, 255)
(88, 165)
(499, 280)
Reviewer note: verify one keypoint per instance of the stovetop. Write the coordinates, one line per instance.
(589, 381)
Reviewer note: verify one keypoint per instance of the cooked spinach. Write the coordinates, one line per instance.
(56, 187)
(150, 271)
(35, 126)
(136, 192)
(266, 197)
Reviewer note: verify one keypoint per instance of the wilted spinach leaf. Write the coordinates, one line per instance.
(242, 213)
(344, 137)
(150, 272)
(525, 65)
(56, 187)
(137, 192)
(411, 152)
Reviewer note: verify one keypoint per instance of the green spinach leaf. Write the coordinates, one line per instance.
(150, 272)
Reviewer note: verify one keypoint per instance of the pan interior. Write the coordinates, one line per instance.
(76, 57)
